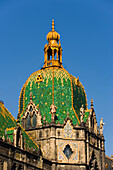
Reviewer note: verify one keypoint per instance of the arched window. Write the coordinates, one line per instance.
(31, 109)
(34, 120)
(30, 116)
(55, 54)
(49, 54)
(28, 121)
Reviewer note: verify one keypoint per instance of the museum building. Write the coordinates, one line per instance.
(54, 129)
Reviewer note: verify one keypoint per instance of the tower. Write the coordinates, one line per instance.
(53, 50)
(53, 110)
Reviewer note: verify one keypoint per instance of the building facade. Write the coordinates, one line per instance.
(54, 129)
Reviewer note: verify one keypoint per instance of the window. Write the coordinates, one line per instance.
(40, 134)
(77, 134)
(31, 116)
(68, 151)
(31, 109)
(49, 51)
(34, 120)
(28, 121)
(58, 133)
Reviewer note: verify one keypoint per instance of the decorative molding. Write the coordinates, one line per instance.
(74, 145)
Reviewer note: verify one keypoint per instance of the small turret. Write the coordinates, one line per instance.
(92, 108)
(53, 50)
(92, 119)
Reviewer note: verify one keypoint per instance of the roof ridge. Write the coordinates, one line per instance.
(4, 109)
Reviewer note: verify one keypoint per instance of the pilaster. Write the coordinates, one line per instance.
(53, 143)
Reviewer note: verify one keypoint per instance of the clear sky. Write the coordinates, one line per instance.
(86, 29)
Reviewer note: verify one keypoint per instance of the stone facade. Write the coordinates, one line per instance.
(15, 158)
(70, 147)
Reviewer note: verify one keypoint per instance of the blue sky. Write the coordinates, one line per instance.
(86, 29)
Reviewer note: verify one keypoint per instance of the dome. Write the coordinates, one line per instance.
(53, 85)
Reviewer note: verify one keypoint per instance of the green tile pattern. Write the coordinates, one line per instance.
(10, 134)
(7, 125)
(41, 92)
(79, 97)
(6, 120)
(86, 115)
(67, 96)
(63, 96)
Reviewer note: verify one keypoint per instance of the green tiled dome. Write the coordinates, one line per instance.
(56, 84)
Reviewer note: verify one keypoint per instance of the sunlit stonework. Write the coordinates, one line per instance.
(54, 129)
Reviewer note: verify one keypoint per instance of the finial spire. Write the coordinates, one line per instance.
(91, 103)
(92, 108)
(53, 25)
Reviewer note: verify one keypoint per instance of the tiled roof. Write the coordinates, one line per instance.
(6, 119)
(58, 85)
(8, 124)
